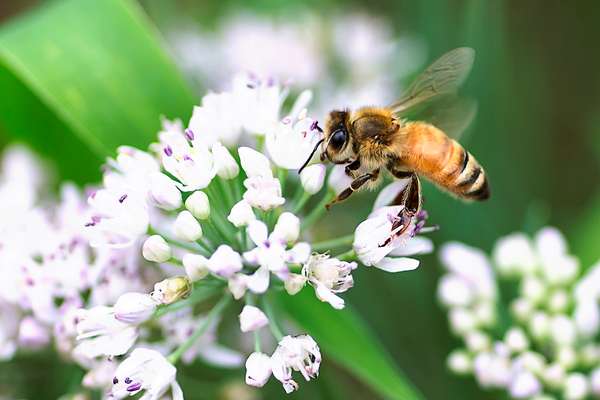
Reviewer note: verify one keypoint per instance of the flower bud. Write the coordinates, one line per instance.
(156, 249)
(563, 330)
(164, 192)
(477, 341)
(241, 214)
(567, 357)
(287, 227)
(171, 290)
(576, 387)
(454, 291)
(461, 320)
(198, 204)
(252, 318)
(294, 283)
(521, 309)
(258, 369)
(533, 289)
(459, 362)
(595, 382)
(237, 286)
(554, 375)
(539, 325)
(485, 313)
(587, 317)
(524, 385)
(196, 266)
(134, 308)
(559, 301)
(312, 178)
(516, 340)
(225, 164)
(187, 227)
(33, 334)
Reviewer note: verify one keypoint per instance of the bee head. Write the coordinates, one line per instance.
(336, 138)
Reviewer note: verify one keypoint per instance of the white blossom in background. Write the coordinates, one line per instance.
(546, 339)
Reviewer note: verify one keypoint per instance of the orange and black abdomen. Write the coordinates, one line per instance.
(431, 153)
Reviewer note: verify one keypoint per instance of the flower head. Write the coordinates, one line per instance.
(295, 353)
(329, 276)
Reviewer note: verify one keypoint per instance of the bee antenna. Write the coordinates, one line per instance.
(312, 153)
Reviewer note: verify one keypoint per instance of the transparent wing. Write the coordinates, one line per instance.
(443, 76)
(450, 113)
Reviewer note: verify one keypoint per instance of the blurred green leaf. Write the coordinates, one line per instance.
(346, 339)
(81, 77)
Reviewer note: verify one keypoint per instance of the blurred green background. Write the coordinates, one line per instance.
(536, 78)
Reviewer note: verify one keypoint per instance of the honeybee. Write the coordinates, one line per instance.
(372, 139)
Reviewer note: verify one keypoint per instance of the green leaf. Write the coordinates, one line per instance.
(81, 77)
(346, 339)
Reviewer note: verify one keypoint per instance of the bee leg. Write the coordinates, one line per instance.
(353, 166)
(354, 186)
(410, 198)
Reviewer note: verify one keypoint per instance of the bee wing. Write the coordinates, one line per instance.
(443, 76)
(450, 113)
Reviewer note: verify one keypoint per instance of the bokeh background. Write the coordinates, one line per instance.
(537, 131)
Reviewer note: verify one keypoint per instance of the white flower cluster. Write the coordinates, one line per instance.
(214, 216)
(543, 346)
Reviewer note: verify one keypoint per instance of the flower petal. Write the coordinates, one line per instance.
(397, 264)
(254, 163)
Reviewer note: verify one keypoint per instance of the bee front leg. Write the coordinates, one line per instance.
(354, 186)
(353, 166)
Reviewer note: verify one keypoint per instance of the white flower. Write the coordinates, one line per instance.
(576, 387)
(171, 290)
(237, 285)
(554, 375)
(186, 227)
(533, 289)
(595, 381)
(216, 120)
(338, 180)
(148, 371)
(241, 214)
(225, 261)
(462, 321)
(516, 340)
(33, 334)
(252, 318)
(187, 159)
(100, 375)
(459, 362)
(101, 333)
(372, 244)
(539, 325)
(258, 369)
(196, 266)
(299, 353)
(312, 178)
(524, 385)
(522, 308)
(453, 291)
(270, 251)
(329, 276)
(156, 249)
(563, 330)
(225, 164)
(492, 370)
(262, 189)
(198, 204)
(293, 140)
(514, 254)
(134, 308)
(164, 192)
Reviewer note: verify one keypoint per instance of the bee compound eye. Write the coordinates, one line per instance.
(338, 138)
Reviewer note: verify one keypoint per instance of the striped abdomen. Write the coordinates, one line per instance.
(431, 153)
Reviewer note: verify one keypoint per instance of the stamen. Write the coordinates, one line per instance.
(135, 387)
(122, 198)
(189, 134)
(168, 151)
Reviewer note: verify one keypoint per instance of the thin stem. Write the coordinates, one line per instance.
(201, 292)
(200, 329)
(333, 243)
(282, 176)
(300, 203)
(272, 319)
(350, 255)
(256, 341)
(186, 246)
(318, 211)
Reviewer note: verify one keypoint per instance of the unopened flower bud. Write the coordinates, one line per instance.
(164, 192)
(576, 387)
(225, 164)
(134, 308)
(524, 385)
(241, 214)
(196, 266)
(554, 375)
(539, 325)
(187, 227)
(462, 321)
(459, 362)
(312, 178)
(156, 249)
(198, 204)
(477, 341)
(595, 382)
(172, 289)
(294, 283)
(258, 369)
(287, 227)
(516, 340)
(563, 330)
(237, 286)
(522, 309)
(252, 318)
(567, 357)
(533, 289)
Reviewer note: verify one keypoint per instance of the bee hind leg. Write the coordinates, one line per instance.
(353, 166)
(354, 186)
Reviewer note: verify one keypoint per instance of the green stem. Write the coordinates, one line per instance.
(200, 329)
(301, 202)
(333, 243)
(282, 176)
(186, 246)
(268, 309)
(318, 211)
(202, 291)
(256, 341)
(350, 255)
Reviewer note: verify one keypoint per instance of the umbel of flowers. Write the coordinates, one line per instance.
(543, 345)
(217, 213)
